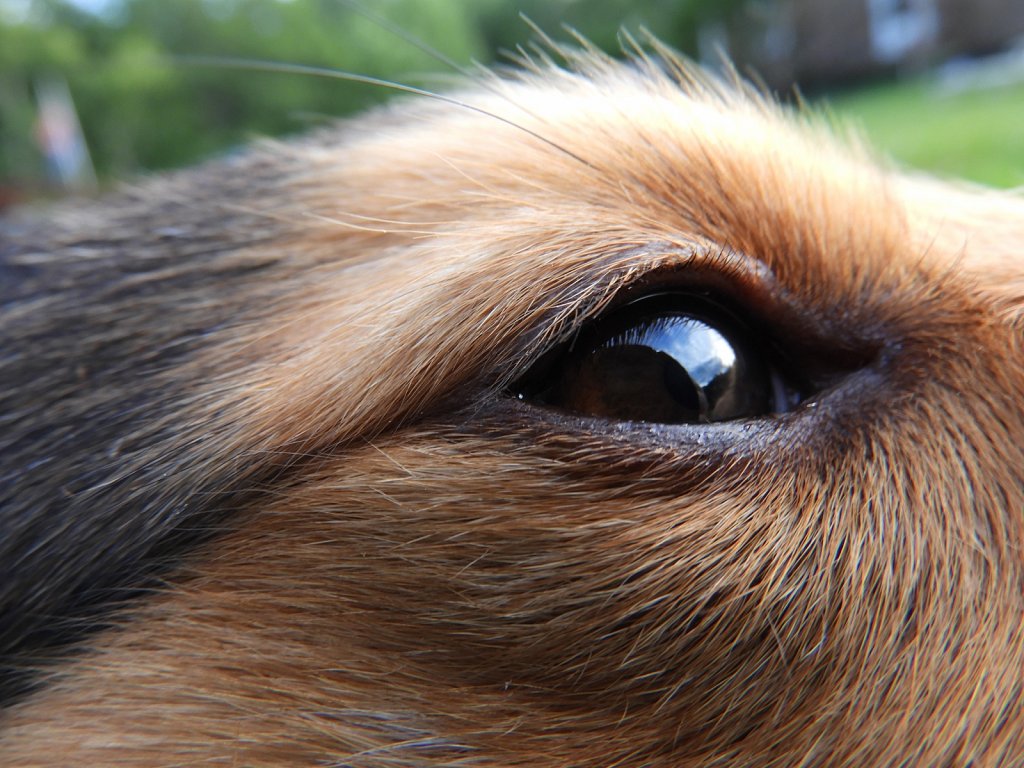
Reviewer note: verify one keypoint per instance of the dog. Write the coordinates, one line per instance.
(598, 414)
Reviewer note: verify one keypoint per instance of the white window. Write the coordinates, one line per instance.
(899, 26)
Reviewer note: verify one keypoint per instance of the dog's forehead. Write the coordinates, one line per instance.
(673, 163)
(513, 194)
(678, 162)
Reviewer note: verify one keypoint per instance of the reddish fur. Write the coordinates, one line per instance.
(451, 578)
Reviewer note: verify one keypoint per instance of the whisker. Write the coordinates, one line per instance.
(280, 67)
(415, 41)
(478, 74)
(363, 228)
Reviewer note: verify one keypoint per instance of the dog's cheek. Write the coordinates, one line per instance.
(751, 587)
(479, 562)
(452, 572)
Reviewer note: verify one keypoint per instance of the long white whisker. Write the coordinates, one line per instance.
(407, 37)
(352, 77)
(478, 74)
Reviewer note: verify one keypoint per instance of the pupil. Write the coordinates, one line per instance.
(632, 382)
(669, 368)
(686, 369)
(657, 365)
(668, 358)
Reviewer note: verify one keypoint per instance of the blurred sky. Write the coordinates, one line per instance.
(17, 8)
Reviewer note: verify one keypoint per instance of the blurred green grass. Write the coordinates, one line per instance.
(975, 134)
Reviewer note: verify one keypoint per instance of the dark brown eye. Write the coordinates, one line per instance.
(668, 358)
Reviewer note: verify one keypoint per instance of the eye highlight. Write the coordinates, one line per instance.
(670, 358)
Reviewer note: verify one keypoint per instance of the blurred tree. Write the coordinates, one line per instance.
(143, 106)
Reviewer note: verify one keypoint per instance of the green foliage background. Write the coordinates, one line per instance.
(143, 106)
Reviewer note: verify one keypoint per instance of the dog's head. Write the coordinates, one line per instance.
(592, 417)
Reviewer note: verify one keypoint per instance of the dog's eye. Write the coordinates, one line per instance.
(669, 358)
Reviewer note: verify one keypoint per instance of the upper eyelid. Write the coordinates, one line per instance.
(656, 266)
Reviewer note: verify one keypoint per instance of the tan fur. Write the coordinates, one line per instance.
(445, 576)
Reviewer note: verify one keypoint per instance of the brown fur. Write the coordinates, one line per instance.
(418, 569)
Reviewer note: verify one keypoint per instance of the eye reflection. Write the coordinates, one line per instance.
(701, 350)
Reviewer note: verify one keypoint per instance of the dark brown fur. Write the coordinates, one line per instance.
(277, 388)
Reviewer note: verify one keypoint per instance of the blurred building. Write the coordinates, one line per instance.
(819, 42)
